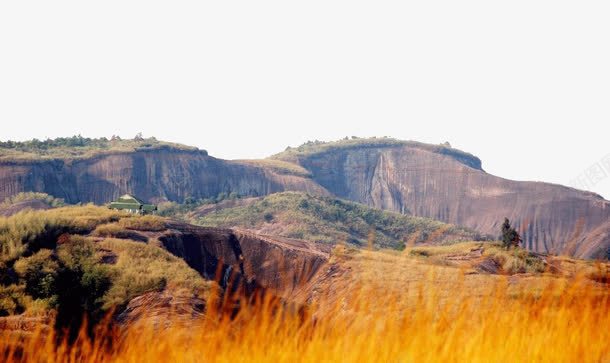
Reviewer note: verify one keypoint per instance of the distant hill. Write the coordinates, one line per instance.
(329, 220)
(312, 148)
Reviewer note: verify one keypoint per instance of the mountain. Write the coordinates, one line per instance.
(432, 181)
(152, 171)
(327, 220)
(451, 186)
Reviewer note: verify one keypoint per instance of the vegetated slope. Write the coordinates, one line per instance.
(58, 259)
(331, 221)
(448, 185)
(77, 260)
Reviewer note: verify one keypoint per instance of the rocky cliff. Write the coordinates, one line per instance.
(233, 257)
(154, 175)
(413, 178)
(452, 187)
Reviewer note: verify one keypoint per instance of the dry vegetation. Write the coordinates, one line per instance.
(421, 304)
(44, 251)
(140, 268)
(379, 320)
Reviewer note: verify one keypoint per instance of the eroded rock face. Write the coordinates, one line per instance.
(155, 175)
(428, 184)
(250, 261)
(413, 178)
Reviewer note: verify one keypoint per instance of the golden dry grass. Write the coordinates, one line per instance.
(389, 308)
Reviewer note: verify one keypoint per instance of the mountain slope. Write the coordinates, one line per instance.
(438, 183)
(89, 259)
(330, 220)
(432, 181)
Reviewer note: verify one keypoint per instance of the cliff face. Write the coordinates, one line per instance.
(233, 257)
(406, 179)
(165, 174)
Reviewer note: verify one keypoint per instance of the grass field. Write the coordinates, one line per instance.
(402, 309)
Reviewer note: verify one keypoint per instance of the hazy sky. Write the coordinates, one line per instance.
(524, 85)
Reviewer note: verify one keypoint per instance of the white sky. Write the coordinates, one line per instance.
(524, 85)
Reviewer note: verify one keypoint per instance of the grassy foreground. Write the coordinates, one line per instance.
(560, 321)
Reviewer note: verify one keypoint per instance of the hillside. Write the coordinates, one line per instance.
(431, 181)
(329, 220)
(59, 259)
(90, 260)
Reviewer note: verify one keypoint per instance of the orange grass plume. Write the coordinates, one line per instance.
(559, 323)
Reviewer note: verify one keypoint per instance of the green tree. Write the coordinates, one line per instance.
(510, 236)
(80, 285)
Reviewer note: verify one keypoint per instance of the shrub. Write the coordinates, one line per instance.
(39, 272)
(80, 285)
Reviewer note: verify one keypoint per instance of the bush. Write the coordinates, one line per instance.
(39, 272)
(80, 285)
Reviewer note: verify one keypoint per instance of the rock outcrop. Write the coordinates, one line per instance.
(246, 260)
(153, 175)
(425, 182)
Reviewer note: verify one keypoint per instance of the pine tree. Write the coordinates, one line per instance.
(510, 237)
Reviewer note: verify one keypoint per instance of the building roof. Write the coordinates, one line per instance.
(128, 198)
(128, 201)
